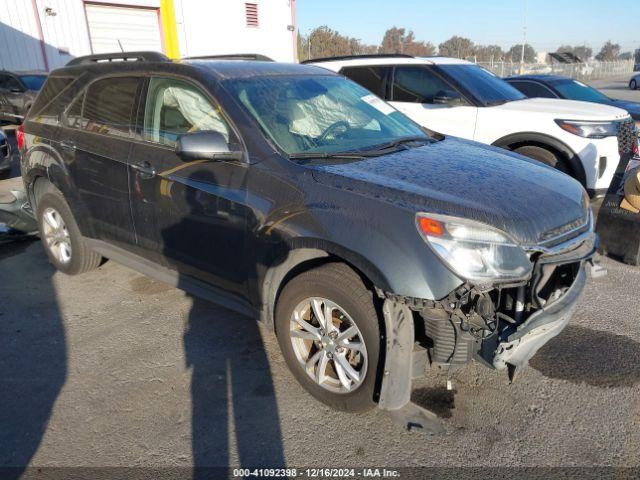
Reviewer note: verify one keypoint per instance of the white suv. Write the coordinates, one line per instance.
(459, 98)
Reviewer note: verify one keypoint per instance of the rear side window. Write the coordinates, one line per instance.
(371, 78)
(533, 89)
(417, 85)
(109, 106)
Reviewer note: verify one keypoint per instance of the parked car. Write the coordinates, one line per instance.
(17, 92)
(5, 153)
(456, 97)
(293, 195)
(634, 83)
(555, 86)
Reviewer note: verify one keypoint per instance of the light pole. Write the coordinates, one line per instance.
(524, 38)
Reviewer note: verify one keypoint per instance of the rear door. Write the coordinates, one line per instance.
(421, 94)
(191, 216)
(97, 143)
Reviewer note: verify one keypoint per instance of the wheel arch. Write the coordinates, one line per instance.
(516, 140)
(306, 254)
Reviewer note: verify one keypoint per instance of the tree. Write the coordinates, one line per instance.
(325, 42)
(489, 53)
(609, 52)
(458, 47)
(398, 40)
(515, 54)
(625, 56)
(636, 54)
(583, 52)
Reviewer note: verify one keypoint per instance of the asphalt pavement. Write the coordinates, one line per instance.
(113, 369)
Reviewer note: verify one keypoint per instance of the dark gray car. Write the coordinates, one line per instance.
(372, 247)
(17, 92)
(5, 153)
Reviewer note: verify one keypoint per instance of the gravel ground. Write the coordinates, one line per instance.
(113, 369)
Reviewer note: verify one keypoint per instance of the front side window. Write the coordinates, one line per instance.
(110, 105)
(487, 88)
(418, 85)
(574, 90)
(174, 107)
(371, 78)
(320, 114)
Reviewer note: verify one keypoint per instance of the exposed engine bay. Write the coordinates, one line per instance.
(502, 326)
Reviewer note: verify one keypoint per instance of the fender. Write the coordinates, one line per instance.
(542, 140)
(43, 162)
(304, 250)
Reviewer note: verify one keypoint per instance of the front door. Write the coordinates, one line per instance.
(191, 216)
(96, 144)
(428, 99)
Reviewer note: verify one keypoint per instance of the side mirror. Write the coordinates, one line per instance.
(205, 145)
(447, 97)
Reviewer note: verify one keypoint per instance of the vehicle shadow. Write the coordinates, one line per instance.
(33, 353)
(597, 358)
(234, 410)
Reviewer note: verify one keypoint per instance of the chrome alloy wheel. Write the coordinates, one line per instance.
(328, 344)
(56, 235)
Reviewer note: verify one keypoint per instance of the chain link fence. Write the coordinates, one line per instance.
(580, 71)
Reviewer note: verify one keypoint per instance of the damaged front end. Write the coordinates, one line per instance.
(501, 325)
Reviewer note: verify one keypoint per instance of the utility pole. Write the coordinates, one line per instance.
(524, 38)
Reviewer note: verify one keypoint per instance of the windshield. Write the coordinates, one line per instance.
(574, 90)
(487, 88)
(321, 114)
(33, 82)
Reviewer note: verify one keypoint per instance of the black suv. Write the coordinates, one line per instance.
(289, 193)
(17, 92)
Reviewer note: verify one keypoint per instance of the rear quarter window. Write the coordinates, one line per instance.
(52, 100)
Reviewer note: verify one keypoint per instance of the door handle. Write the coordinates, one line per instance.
(145, 168)
(68, 145)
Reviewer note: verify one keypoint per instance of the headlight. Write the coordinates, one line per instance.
(472, 250)
(589, 129)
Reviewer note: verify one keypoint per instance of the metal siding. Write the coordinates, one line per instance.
(19, 34)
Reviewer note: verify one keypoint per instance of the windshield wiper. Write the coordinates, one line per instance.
(391, 145)
(325, 155)
(495, 103)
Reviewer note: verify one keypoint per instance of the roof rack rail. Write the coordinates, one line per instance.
(355, 57)
(232, 56)
(119, 57)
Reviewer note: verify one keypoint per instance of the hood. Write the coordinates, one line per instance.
(565, 109)
(632, 107)
(457, 177)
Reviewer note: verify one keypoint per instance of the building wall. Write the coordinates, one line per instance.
(207, 28)
(29, 29)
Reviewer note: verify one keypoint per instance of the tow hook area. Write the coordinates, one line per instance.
(395, 392)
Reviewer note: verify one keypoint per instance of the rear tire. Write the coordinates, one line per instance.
(544, 156)
(66, 248)
(633, 85)
(348, 378)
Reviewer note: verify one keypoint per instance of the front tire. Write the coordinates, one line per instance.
(329, 334)
(544, 156)
(66, 248)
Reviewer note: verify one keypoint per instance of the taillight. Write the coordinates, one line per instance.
(20, 137)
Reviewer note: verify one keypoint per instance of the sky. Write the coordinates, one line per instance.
(550, 23)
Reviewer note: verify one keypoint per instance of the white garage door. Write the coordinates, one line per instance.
(135, 28)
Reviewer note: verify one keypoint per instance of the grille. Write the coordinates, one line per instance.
(627, 138)
(251, 12)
